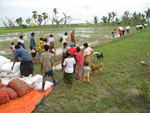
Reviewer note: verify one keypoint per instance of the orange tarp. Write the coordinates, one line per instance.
(26, 103)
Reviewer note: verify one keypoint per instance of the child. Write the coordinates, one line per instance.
(64, 51)
(21, 41)
(39, 47)
(47, 62)
(79, 64)
(87, 72)
(33, 53)
(46, 42)
(69, 64)
(12, 47)
(114, 33)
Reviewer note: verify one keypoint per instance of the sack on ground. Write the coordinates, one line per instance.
(19, 86)
(11, 92)
(4, 98)
(47, 85)
(7, 66)
(3, 60)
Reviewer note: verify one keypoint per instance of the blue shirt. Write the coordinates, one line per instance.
(23, 54)
(32, 43)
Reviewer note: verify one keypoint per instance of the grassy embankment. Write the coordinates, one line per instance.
(112, 91)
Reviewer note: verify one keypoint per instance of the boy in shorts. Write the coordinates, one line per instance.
(47, 61)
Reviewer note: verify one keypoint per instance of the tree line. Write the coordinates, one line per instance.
(58, 18)
(39, 19)
(127, 18)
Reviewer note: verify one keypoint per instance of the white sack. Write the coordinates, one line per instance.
(3, 60)
(47, 85)
(7, 66)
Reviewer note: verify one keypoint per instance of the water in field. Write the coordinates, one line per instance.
(90, 35)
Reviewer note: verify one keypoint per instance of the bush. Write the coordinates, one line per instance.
(24, 26)
(144, 90)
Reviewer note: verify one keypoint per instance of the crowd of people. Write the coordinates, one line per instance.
(73, 59)
(122, 31)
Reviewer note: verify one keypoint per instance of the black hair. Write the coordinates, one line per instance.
(46, 47)
(51, 35)
(78, 49)
(64, 44)
(68, 53)
(85, 45)
(32, 34)
(66, 33)
(86, 63)
(17, 46)
(41, 38)
(12, 43)
(45, 40)
(21, 37)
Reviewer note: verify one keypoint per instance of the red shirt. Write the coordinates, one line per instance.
(72, 51)
(79, 56)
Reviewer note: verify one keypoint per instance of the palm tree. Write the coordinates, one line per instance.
(28, 20)
(95, 20)
(113, 15)
(109, 17)
(39, 19)
(104, 19)
(35, 16)
(148, 14)
(19, 21)
(45, 17)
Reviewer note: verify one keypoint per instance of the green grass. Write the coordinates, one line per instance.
(112, 91)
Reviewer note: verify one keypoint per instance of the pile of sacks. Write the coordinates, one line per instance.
(5, 68)
(13, 88)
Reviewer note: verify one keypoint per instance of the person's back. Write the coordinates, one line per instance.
(87, 70)
(69, 62)
(23, 54)
(47, 60)
(72, 50)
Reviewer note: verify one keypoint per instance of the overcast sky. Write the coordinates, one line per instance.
(80, 10)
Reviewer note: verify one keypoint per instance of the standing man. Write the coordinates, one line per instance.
(26, 66)
(47, 63)
(32, 45)
(73, 38)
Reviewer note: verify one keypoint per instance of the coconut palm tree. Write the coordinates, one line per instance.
(95, 20)
(104, 19)
(114, 14)
(39, 19)
(148, 14)
(28, 20)
(19, 21)
(45, 17)
(35, 16)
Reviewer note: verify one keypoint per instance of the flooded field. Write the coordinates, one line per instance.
(81, 34)
(92, 35)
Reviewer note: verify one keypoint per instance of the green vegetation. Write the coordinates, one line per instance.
(112, 91)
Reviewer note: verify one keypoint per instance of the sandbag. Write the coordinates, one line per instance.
(5, 81)
(3, 60)
(11, 92)
(47, 85)
(4, 98)
(7, 66)
(2, 85)
(19, 86)
(30, 80)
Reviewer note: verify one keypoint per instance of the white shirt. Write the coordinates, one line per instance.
(21, 41)
(50, 40)
(69, 62)
(64, 39)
